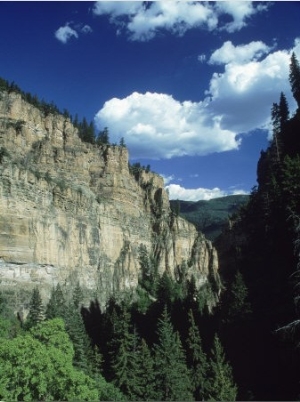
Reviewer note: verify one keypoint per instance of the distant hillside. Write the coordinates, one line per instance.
(210, 216)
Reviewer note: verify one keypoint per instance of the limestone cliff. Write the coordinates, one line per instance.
(73, 211)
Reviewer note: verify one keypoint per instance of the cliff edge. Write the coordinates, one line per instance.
(73, 211)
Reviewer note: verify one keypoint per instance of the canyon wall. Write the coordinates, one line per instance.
(72, 211)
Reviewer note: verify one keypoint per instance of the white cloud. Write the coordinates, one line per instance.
(239, 11)
(239, 100)
(64, 34)
(157, 126)
(167, 179)
(229, 53)
(142, 22)
(244, 93)
(176, 192)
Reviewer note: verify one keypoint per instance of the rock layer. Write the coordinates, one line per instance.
(72, 211)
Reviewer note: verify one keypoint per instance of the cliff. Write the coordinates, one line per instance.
(72, 211)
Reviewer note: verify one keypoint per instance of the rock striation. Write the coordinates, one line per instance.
(72, 211)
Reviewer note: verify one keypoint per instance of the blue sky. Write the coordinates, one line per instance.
(189, 85)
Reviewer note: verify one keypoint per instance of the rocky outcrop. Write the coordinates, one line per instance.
(72, 211)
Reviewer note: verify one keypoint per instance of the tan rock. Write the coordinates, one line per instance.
(73, 211)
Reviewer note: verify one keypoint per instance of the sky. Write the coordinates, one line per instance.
(189, 85)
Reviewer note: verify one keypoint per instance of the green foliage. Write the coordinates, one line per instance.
(38, 366)
(172, 375)
(36, 309)
(76, 331)
(56, 306)
(136, 170)
(294, 78)
(210, 217)
(221, 385)
(238, 305)
(103, 137)
(197, 361)
(149, 275)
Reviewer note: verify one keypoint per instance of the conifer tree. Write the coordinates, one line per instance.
(145, 373)
(77, 295)
(283, 110)
(124, 358)
(36, 309)
(221, 386)
(197, 360)
(76, 330)
(172, 375)
(294, 78)
(238, 304)
(56, 306)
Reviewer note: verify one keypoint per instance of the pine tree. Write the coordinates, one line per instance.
(124, 358)
(172, 375)
(283, 110)
(238, 304)
(294, 78)
(76, 330)
(146, 375)
(77, 295)
(56, 306)
(197, 360)
(36, 309)
(221, 386)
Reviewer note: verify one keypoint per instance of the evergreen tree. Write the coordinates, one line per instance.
(197, 361)
(294, 78)
(77, 295)
(124, 358)
(283, 111)
(36, 309)
(221, 386)
(103, 137)
(145, 390)
(56, 306)
(238, 306)
(76, 331)
(172, 375)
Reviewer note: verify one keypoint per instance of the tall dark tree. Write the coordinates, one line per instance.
(76, 331)
(56, 306)
(238, 306)
(283, 110)
(36, 309)
(197, 361)
(221, 384)
(294, 78)
(145, 391)
(172, 375)
(103, 137)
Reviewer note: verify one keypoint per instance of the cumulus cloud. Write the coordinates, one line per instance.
(142, 21)
(238, 100)
(239, 11)
(65, 33)
(244, 92)
(157, 126)
(229, 53)
(176, 192)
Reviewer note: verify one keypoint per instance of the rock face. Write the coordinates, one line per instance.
(72, 211)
